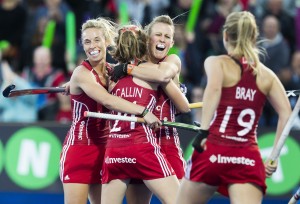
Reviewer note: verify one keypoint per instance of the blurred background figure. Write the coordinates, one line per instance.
(16, 109)
(295, 80)
(25, 23)
(42, 74)
(284, 12)
(211, 25)
(144, 11)
(276, 46)
(290, 77)
(197, 95)
(50, 11)
(12, 23)
(277, 58)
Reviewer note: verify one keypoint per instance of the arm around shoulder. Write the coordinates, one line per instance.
(162, 72)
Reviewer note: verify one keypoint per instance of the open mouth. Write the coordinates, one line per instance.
(94, 52)
(160, 47)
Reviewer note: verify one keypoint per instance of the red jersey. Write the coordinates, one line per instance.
(168, 137)
(165, 110)
(123, 132)
(231, 154)
(132, 151)
(83, 151)
(85, 130)
(236, 118)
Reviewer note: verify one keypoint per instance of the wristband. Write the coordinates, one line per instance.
(145, 111)
(130, 68)
(197, 143)
(125, 68)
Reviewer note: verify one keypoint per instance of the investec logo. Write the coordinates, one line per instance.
(121, 160)
(231, 160)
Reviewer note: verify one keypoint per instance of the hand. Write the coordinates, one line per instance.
(67, 88)
(152, 121)
(200, 138)
(118, 72)
(270, 167)
(7, 73)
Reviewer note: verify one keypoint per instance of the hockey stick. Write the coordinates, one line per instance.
(196, 105)
(9, 92)
(285, 132)
(295, 197)
(139, 120)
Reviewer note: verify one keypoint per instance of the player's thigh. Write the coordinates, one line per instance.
(95, 193)
(138, 194)
(245, 193)
(75, 193)
(114, 191)
(165, 189)
(191, 192)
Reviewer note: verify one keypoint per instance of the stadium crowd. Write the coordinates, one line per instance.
(29, 60)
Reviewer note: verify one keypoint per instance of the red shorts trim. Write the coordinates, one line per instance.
(81, 163)
(221, 165)
(174, 156)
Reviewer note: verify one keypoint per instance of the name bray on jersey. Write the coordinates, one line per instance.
(243, 93)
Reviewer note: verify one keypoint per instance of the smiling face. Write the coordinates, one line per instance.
(94, 44)
(160, 41)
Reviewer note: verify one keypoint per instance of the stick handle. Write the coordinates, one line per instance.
(196, 105)
(295, 197)
(113, 117)
(140, 120)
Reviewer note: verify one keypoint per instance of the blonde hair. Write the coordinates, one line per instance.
(242, 34)
(131, 44)
(108, 27)
(160, 19)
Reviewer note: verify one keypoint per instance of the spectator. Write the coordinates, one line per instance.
(278, 50)
(277, 58)
(12, 22)
(290, 78)
(27, 47)
(287, 5)
(56, 11)
(211, 25)
(10, 108)
(42, 74)
(294, 83)
(286, 21)
(84, 10)
(144, 11)
(296, 69)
